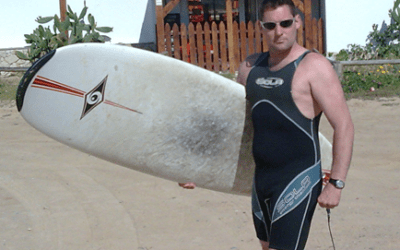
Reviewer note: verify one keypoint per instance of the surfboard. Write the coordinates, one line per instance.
(144, 111)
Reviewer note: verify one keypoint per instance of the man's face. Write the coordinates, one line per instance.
(280, 38)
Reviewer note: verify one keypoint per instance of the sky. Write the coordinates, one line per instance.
(348, 21)
(18, 18)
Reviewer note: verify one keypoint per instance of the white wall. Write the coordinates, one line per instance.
(350, 21)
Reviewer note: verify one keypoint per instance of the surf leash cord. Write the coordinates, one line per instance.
(328, 212)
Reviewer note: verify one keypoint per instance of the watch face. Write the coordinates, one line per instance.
(337, 183)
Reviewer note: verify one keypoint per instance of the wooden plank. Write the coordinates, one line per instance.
(339, 65)
(299, 4)
(192, 44)
(250, 30)
(215, 42)
(184, 43)
(63, 10)
(207, 41)
(243, 42)
(300, 35)
(308, 24)
(223, 47)
(168, 45)
(314, 33)
(321, 36)
(170, 6)
(264, 43)
(63, 13)
(177, 44)
(233, 65)
(258, 37)
(371, 62)
(200, 45)
(14, 69)
(231, 42)
(160, 29)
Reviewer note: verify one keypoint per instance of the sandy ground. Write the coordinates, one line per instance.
(54, 197)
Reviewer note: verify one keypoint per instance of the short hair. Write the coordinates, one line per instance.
(273, 4)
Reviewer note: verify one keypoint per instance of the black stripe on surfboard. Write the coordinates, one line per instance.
(28, 76)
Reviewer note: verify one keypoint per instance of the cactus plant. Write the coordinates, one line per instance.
(395, 12)
(72, 30)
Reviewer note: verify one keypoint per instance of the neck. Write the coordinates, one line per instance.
(277, 57)
(280, 58)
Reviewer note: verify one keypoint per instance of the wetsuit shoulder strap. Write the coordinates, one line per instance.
(298, 60)
(261, 58)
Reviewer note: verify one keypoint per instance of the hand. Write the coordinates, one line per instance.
(330, 196)
(188, 185)
(326, 175)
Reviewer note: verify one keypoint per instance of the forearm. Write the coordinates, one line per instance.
(343, 138)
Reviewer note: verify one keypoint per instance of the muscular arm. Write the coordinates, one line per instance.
(245, 67)
(328, 94)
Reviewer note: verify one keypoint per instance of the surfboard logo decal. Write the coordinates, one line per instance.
(92, 98)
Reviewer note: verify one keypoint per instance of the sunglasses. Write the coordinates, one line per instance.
(272, 25)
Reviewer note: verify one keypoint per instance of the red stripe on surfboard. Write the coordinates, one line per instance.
(48, 84)
(120, 106)
(58, 90)
(44, 83)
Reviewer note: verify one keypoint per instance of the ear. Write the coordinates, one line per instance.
(298, 21)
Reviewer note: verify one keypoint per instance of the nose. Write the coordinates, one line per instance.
(278, 30)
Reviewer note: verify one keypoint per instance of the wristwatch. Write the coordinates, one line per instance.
(337, 183)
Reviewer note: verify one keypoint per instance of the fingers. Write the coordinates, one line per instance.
(329, 197)
(327, 204)
(188, 185)
(323, 205)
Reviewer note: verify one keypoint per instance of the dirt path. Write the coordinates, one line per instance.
(54, 197)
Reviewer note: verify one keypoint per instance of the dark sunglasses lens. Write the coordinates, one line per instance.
(269, 26)
(286, 23)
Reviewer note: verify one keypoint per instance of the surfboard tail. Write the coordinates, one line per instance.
(28, 76)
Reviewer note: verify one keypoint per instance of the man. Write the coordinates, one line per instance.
(287, 89)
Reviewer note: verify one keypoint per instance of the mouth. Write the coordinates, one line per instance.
(279, 41)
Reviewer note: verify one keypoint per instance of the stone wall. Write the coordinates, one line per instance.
(9, 59)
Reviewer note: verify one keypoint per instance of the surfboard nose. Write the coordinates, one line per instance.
(28, 76)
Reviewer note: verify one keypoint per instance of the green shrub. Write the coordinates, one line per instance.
(362, 78)
(380, 80)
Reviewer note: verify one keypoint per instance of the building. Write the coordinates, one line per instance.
(236, 15)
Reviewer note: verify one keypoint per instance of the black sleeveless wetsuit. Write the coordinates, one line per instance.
(286, 151)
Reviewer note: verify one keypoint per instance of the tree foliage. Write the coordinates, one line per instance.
(381, 42)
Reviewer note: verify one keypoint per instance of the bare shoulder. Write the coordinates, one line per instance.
(318, 68)
(325, 85)
(245, 67)
(316, 61)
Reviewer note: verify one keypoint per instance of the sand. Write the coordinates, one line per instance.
(55, 197)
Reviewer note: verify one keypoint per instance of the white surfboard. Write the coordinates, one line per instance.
(144, 111)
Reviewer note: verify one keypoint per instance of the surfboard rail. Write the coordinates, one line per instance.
(28, 76)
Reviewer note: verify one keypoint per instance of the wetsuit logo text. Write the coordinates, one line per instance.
(270, 82)
(294, 195)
